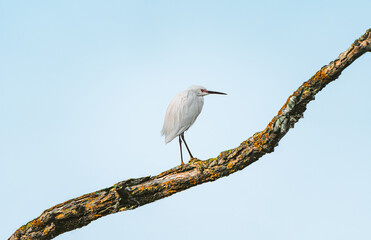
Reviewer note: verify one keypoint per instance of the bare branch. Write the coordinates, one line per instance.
(134, 193)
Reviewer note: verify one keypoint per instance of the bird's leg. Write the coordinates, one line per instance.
(181, 153)
(190, 154)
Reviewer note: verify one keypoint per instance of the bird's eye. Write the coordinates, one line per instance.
(203, 90)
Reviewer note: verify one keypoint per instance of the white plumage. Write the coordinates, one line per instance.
(182, 112)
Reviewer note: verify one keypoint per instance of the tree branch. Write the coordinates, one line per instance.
(134, 193)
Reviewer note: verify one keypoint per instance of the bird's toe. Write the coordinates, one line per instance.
(194, 160)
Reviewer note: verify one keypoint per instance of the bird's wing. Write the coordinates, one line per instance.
(172, 117)
(181, 114)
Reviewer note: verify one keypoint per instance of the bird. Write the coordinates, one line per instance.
(182, 112)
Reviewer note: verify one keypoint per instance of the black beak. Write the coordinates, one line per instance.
(213, 92)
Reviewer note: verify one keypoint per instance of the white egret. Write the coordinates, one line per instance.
(182, 113)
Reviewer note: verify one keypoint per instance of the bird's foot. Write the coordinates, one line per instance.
(192, 160)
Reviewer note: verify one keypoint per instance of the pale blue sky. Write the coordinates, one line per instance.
(84, 87)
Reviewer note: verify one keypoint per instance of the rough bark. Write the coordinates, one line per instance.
(134, 193)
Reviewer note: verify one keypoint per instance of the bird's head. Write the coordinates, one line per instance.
(202, 91)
